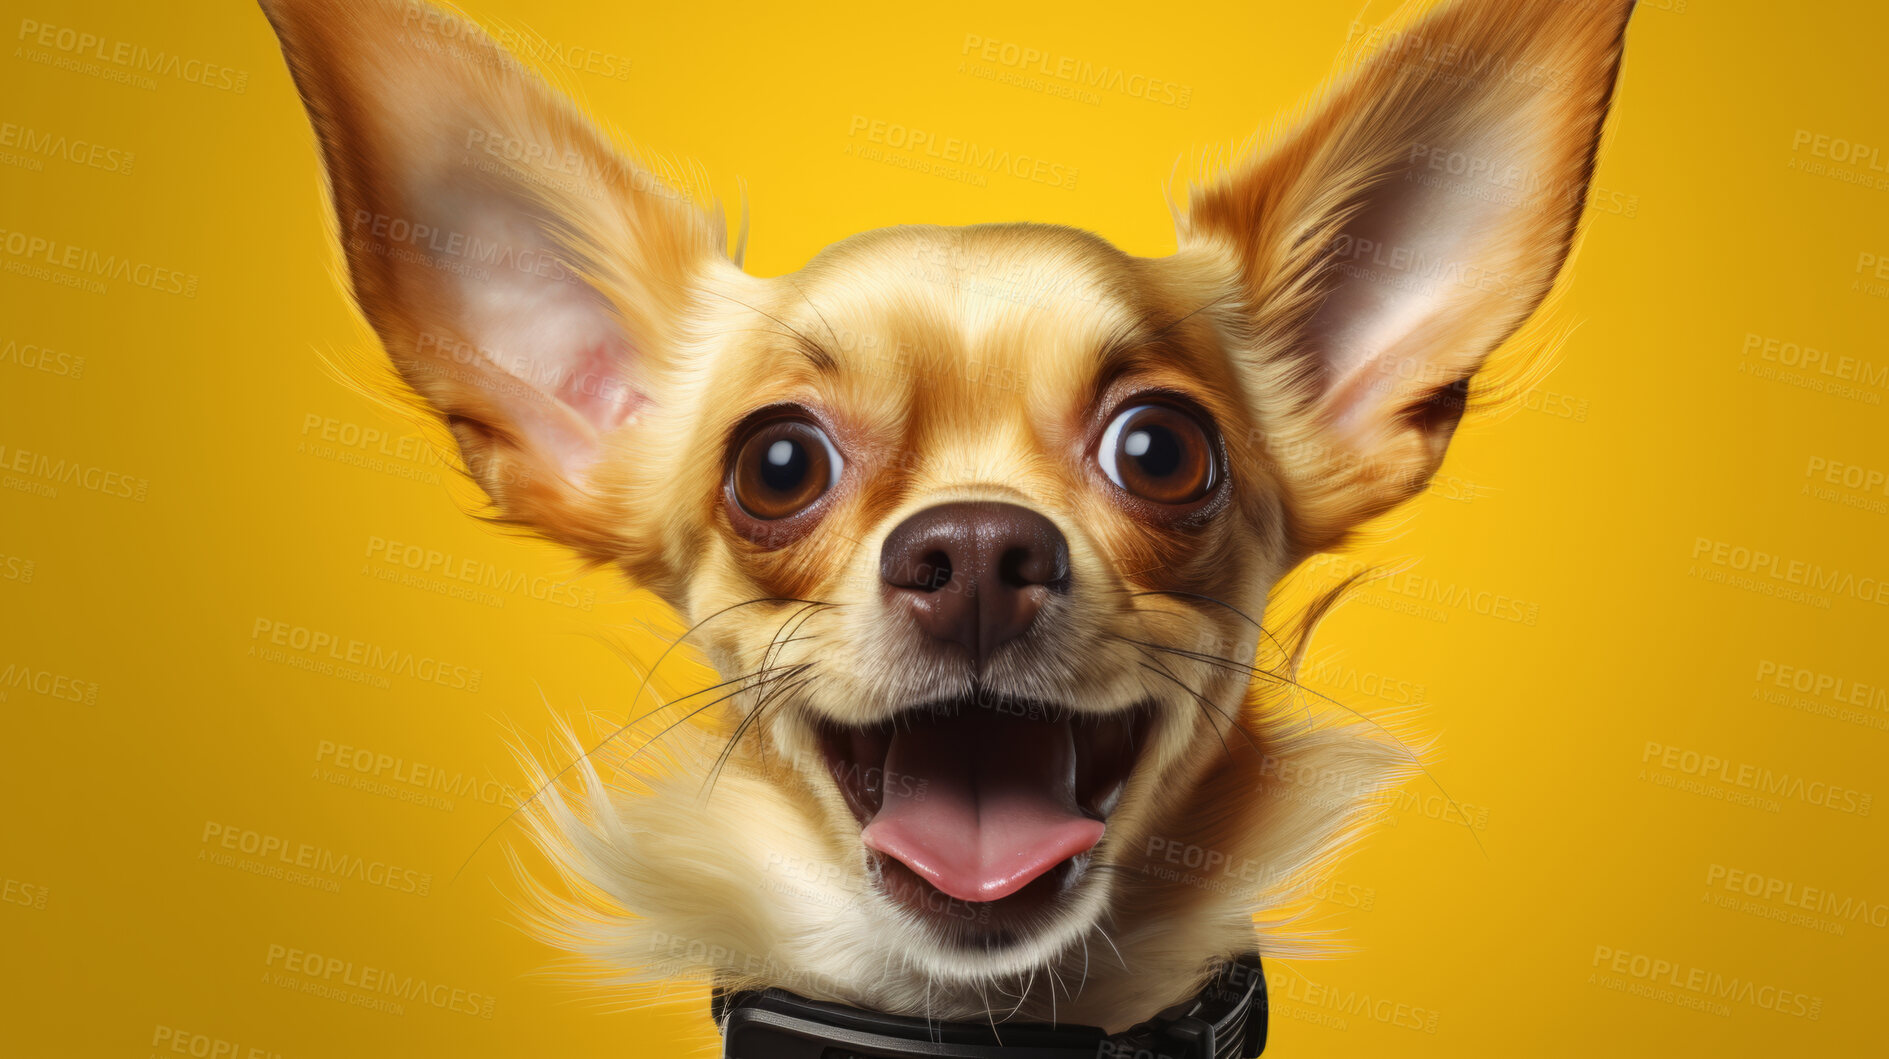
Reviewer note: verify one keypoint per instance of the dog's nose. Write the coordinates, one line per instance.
(974, 573)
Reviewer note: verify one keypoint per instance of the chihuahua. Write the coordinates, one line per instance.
(978, 525)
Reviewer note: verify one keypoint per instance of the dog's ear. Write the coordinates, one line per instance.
(1402, 231)
(525, 278)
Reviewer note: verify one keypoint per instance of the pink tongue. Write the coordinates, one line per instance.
(980, 808)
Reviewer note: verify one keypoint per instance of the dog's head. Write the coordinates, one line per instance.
(979, 524)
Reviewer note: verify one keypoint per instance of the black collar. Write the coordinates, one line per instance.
(1225, 1020)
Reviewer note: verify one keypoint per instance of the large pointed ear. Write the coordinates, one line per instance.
(526, 279)
(1401, 232)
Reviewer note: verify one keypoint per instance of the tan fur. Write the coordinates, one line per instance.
(943, 377)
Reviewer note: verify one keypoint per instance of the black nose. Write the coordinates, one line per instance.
(974, 574)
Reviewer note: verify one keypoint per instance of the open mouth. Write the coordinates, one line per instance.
(982, 812)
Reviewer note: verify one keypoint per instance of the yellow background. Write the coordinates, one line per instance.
(120, 928)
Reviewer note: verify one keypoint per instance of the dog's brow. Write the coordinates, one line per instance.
(822, 360)
(1127, 347)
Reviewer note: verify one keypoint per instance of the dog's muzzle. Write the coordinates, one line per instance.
(1225, 1020)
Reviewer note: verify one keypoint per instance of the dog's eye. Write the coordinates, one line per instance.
(1158, 453)
(783, 467)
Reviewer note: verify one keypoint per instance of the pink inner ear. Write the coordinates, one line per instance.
(547, 329)
(597, 387)
(1395, 272)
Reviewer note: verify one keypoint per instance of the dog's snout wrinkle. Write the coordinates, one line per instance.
(974, 573)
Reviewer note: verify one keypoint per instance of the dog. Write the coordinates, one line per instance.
(978, 525)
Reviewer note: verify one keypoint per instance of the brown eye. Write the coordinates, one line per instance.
(783, 467)
(1158, 453)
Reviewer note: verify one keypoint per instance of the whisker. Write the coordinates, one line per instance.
(775, 643)
(1289, 657)
(1205, 702)
(677, 642)
(1163, 671)
(1099, 929)
(811, 347)
(773, 694)
(1218, 602)
(1204, 599)
(1256, 671)
(835, 335)
(796, 620)
(789, 671)
(1168, 327)
(1227, 663)
(1208, 704)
